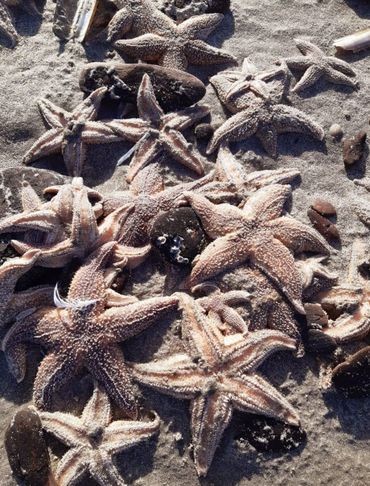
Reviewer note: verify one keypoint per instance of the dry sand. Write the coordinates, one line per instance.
(338, 430)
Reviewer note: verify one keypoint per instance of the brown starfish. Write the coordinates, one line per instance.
(94, 439)
(6, 23)
(218, 375)
(83, 334)
(163, 41)
(71, 131)
(257, 233)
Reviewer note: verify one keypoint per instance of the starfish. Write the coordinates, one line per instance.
(71, 131)
(66, 227)
(257, 233)
(163, 133)
(265, 119)
(316, 65)
(218, 375)
(161, 40)
(84, 334)
(94, 439)
(6, 24)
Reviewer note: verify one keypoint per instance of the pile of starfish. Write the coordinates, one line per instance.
(81, 330)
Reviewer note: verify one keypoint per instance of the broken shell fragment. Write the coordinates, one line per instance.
(354, 42)
(72, 20)
(352, 377)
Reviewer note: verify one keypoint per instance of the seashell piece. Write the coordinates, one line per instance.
(354, 42)
(83, 19)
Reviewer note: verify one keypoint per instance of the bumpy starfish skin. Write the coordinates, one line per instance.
(83, 334)
(161, 40)
(163, 135)
(94, 439)
(71, 131)
(316, 65)
(218, 375)
(6, 23)
(313, 267)
(257, 233)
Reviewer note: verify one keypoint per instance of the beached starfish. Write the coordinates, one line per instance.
(257, 233)
(94, 439)
(6, 23)
(81, 333)
(218, 375)
(163, 135)
(316, 65)
(161, 40)
(265, 119)
(71, 131)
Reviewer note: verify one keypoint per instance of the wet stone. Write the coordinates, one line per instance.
(173, 88)
(319, 342)
(352, 377)
(26, 448)
(323, 225)
(178, 236)
(324, 208)
(354, 148)
(203, 131)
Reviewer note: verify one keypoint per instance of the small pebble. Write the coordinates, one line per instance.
(325, 227)
(336, 131)
(203, 131)
(324, 208)
(352, 377)
(354, 148)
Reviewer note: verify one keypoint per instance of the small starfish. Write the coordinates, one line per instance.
(265, 119)
(94, 439)
(162, 136)
(316, 65)
(71, 131)
(218, 375)
(313, 267)
(6, 23)
(84, 334)
(161, 40)
(257, 233)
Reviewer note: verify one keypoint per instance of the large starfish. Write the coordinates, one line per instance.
(6, 23)
(161, 40)
(71, 131)
(257, 233)
(94, 439)
(317, 65)
(218, 375)
(83, 334)
(163, 132)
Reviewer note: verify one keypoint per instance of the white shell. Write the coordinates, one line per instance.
(354, 42)
(83, 18)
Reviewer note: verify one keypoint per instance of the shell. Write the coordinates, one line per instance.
(72, 19)
(354, 42)
(83, 19)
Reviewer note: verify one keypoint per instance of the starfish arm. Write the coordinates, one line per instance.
(108, 368)
(200, 26)
(28, 299)
(299, 62)
(87, 110)
(6, 25)
(289, 119)
(262, 178)
(276, 261)
(210, 415)
(49, 143)
(199, 52)
(113, 224)
(339, 78)
(174, 57)
(176, 145)
(30, 199)
(176, 375)
(84, 228)
(74, 153)
(113, 131)
(130, 256)
(232, 318)
(238, 127)
(348, 328)
(122, 434)
(282, 318)
(149, 181)
(72, 466)
(297, 236)
(114, 299)
(124, 323)
(341, 65)
(120, 24)
(54, 371)
(68, 428)
(147, 47)
(104, 471)
(312, 74)
(97, 411)
(55, 116)
(185, 118)
(147, 152)
(53, 256)
(268, 136)
(267, 203)
(147, 104)
(249, 353)
(43, 220)
(219, 256)
(253, 394)
(309, 49)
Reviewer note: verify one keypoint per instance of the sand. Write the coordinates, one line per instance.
(338, 430)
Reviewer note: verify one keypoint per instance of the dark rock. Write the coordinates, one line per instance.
(269, 435)
(173, 88)
(203, 131)
(324, 208)
(26, 448)
(323, 225)
(319, 342)
(178, 235)
(352, 377)
(354, 148)
(218, 6)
